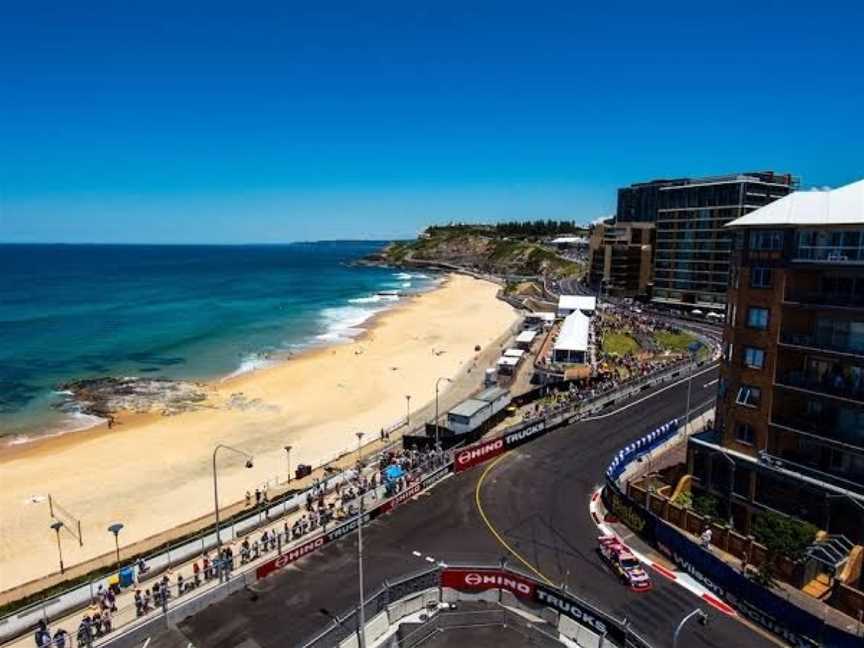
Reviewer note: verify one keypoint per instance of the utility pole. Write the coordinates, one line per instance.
(361, 611)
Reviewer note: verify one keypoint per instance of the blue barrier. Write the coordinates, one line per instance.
(638, 448)
(762, 606)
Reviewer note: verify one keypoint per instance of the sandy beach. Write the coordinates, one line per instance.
(152, 472)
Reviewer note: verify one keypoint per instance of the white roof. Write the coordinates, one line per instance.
(526, 336)
(570, 239)
(507, 361)
(577, 302)
(574, 333)
(842, 206)
(548, 317)
(514, 353)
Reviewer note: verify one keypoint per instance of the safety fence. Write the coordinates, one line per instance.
(759, 604)
(425, 591)
(566, 414)
(86, 597)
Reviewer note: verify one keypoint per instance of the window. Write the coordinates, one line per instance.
(749, 396)
(766, 240)
(757, 318)
(760, 277)
(754, 357)
(744, 433)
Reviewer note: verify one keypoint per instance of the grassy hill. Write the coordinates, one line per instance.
(483, 250)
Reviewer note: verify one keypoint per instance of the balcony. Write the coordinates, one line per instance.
(831, 424)
(852, 345)
(831, 385)
(829, 299)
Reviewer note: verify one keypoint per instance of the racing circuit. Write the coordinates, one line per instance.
(530, 506)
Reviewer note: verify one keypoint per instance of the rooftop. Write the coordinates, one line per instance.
(577, 302)
(841, 206)
(468, 408)
(574, 333)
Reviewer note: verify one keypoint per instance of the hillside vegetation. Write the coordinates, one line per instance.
(483, 250)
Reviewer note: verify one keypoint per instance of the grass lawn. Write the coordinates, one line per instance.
(677, 341)
(619, 343)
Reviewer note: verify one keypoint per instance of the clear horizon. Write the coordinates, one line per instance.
(163, 124)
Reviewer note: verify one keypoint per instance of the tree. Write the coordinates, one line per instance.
(706, 506)
(782, 536)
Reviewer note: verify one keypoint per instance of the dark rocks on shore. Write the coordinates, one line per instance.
(107, 395)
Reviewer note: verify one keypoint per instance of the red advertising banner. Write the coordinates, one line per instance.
(477, 454)
(401, 497)
(480, 580)
(290, 556)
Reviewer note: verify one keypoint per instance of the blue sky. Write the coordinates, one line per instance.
(268, 122)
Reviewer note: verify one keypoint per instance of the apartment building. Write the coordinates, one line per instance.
(691, 261)
(620, 257)
(789, 429)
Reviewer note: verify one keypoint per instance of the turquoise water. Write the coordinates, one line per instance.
(194, 312)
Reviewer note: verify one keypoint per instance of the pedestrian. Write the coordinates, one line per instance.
(60, 638)
(248, 499)
(257, 496)
(196, 573)
(179, 585)
(42, 636)
(705, 538)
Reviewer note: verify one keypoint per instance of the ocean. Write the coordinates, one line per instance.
(69, 312)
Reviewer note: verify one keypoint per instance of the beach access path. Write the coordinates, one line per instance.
(154, 473)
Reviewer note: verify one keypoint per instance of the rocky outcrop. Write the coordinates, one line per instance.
(106, 396)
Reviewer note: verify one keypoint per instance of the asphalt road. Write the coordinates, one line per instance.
(536, 499)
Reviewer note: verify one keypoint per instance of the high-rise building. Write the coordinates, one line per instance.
(789, 429)
(691, 260)
(620, 258)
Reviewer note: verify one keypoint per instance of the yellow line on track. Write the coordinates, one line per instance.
(492, 529)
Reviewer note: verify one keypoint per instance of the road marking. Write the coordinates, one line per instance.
(713, 382)
(430, 559)
(651, 395)
(417, 553)
(492, 529)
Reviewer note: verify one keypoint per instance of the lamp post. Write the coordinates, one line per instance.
(693, 348)
(288, 456)
(703, 619)
(731, 485)
(407, 412)
(249, 464)
(361, 618)
(437, 383)
(57, 525)
(115, 529)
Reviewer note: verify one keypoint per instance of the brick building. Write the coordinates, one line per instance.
(789, 432)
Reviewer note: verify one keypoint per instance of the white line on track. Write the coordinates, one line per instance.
(713, 382)
(650, 395)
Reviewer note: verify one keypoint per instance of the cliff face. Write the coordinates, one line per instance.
(475, 250)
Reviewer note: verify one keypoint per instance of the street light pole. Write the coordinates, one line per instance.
(249, 464)
(693, 347)
(361, 612)
(437, 383)
(731, 485)
(288, 454)
(703, 619)
(115, 529)
(57, 525)
(407, 412)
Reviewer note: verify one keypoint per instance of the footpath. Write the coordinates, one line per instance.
(672, 455)
(108, 614)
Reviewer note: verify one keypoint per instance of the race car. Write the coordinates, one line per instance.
(624, 563)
